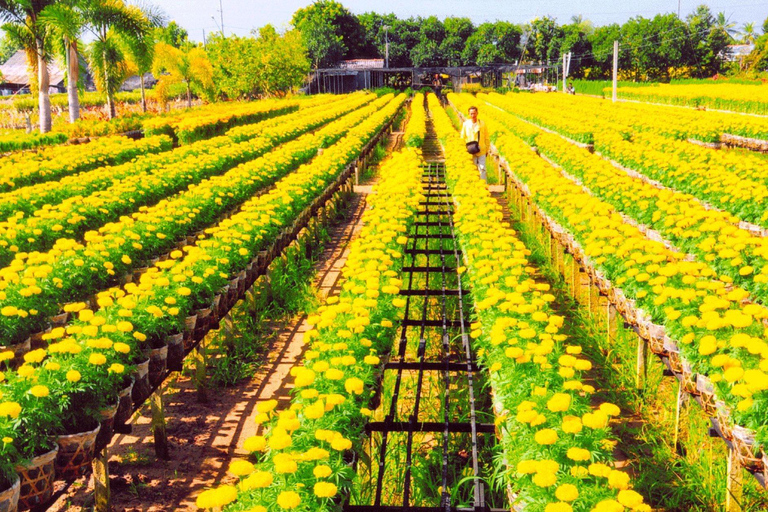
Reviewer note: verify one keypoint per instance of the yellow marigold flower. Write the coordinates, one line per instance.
(545, 479)
(266, 406)
(122, 348)
(341, 444)
(97, 359)
(618, 480)
(288, 500)
(116, 368)
(315, 411)
(35, 356)
(599, 469)
(10, 409)
(567, 492)
(257, 480)
(322, 471)
(578, 454)
(217, 498)
(284, 464)
(608, 506)
(558, 507)
(241, 467)
(73, 376)
(559, 402)
(353, 385)
(546, 436)
(279, 441)
(597, 419)
(6, 355)
(39, 391)
(255, 444)
(629, 498)
(325, 489)
(610, 409)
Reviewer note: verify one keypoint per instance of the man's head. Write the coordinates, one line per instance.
(473, 113)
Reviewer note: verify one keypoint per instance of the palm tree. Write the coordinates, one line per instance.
(748, 33)
(141, 47)
(725, 24)
(22, 23)
(66, 22)
(110, 22)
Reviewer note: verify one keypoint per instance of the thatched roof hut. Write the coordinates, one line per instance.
(15, 77)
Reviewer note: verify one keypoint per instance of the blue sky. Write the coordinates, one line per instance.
(240, 16)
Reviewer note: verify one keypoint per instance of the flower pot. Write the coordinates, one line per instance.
(19, 349)
(189, 330)
(60, 319)
(203, 322)
(37, 479)
(158, 363)
(743, 442)
(689, 379)
(724, 419)
(9, 498)
(673, 352)
(76, 452)
(707, 392)
(107, 427)
(124, 408)
(141, 387)
(175, 351)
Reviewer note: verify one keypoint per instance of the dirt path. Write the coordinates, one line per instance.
(204, 438)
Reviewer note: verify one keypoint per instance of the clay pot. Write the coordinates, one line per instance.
(76, 452)
(107, 427)
(175, 351)
(203, 321)
(37, 479)
(9, 498)
(189, 330)
(124, 409)
(158, 363)
(141, 387)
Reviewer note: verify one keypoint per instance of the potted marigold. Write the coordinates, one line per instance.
(10, 484)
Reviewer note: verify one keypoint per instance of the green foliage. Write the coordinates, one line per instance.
(493, 43)
(172, 34)
(246, 67)
(329, 31)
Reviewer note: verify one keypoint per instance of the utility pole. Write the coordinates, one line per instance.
(386, 46)
(615, 67)
(221, 16)
(205, 43)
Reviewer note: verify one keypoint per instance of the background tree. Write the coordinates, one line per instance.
(545, 40)
(8, 48)
(426, 53)
(748, 33)
(22, 25)
(709, 39)
(576, 40)
(189, 67)
(111, 23)
(172, 34)
(65, 23)
(330, 32)
(457, 31)
(140, 46)
(601, 58)
(497, 42)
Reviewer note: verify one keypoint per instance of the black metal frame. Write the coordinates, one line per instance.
(438, 212)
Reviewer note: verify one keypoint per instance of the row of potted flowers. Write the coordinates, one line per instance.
(301, 457)
(20, 140)
(735, 183)
(596, 114)
(557, 445)
(187, 128)
(72, 271)
(737, 255)
(49, 164)
(416, 130)
(24, 201)
(709, 335)
(68, 386)
(75, 215)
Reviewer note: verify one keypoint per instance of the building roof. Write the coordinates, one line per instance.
(14, 70)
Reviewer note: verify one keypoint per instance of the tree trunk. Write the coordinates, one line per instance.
(189, 95)
(107, 89)
(143, 94)
(44, 100)
(73, 71)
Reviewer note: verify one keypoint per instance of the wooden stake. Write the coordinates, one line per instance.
(682, 400)
(158, 424)
(734, 484)
(641, 371)
(200, 372)
(102, 495)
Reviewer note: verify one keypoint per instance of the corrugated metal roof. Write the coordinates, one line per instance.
(15, 70)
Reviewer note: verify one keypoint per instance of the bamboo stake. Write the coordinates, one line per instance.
(158, 424)
(101, 491)
(641, 371)
(734, 484)
(200, 372)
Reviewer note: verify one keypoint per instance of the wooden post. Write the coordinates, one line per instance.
(158, 424)
(682, 401)
(615, 67)
(201, 362)
(611, 323)
(734, 484)
(641, 371)
(102, 497)
(575, 278)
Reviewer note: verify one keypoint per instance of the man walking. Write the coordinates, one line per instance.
(475, 134)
